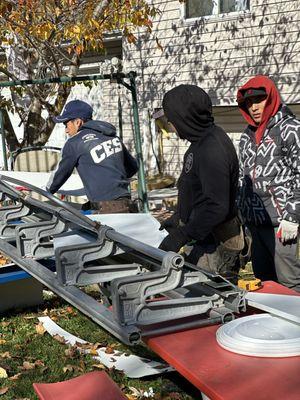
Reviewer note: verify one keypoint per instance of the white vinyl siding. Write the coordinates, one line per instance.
(218, 54)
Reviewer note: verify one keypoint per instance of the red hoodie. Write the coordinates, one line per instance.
(273, 103)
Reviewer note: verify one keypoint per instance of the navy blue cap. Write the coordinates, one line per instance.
(75, 109)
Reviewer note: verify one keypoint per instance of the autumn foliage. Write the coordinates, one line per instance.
(51, 37)
(80, 23)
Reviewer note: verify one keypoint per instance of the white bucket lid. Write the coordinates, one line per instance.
(262, 335)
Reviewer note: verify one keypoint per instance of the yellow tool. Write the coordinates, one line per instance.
(249, 284)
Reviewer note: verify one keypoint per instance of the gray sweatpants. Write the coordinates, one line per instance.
(272, 260)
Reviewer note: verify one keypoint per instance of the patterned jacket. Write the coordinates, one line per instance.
(270, 172)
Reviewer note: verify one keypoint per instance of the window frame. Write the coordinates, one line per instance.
(221, 16)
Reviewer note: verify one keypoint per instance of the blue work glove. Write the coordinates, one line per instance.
(174, 241)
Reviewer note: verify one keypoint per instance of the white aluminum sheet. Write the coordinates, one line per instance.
(133, 366)
(143, 227)
(285, 306)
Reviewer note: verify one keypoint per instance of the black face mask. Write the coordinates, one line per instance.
(189, 109)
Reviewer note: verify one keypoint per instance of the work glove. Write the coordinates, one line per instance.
(287, 231)
(170, 223)
(174, 241)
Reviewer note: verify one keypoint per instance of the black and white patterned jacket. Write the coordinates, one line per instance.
(270, 172)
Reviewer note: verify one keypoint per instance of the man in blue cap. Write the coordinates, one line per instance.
(101, 159)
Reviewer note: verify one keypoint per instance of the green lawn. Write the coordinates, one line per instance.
(29, 355)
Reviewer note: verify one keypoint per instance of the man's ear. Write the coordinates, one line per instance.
(79, 122)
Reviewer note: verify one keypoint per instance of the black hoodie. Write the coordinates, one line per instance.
(102, 161)
(208, 182)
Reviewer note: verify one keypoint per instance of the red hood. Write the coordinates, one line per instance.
(273, 102)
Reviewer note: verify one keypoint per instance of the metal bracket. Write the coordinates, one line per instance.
(35, 239)
(11, 214)
(79, 264)
(129, 294)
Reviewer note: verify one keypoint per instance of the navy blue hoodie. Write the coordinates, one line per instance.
(101, 159)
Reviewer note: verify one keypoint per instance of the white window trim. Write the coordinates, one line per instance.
(212, 18)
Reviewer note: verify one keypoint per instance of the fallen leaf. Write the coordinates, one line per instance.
(4, 390)
(4, 260)
(85, 346)
(68, 368)
(6, 354)
(39, 363)
(28, 366)
(5, 324)
(23, 398)
(99, 366)
(2, 341)
(71, 352)
(40, 330)
(3, 373)
(97, 345)
(109, 350)
(15, 377)
(60, 339)
(136, 392)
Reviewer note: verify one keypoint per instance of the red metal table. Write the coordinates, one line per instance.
(222, 375)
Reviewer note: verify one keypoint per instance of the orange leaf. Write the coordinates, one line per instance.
(40, 330)
(93, 352)
(99, 366)
(109, 350)
(15, 377)
(4, 390)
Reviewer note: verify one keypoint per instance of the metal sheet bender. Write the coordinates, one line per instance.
(145, 291)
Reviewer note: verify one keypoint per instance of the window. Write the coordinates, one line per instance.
(203, 8)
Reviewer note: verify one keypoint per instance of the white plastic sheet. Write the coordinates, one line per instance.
(132, 365)
(143, 227)
(284, 306)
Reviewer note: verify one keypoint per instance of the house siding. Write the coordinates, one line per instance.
(219, 54)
